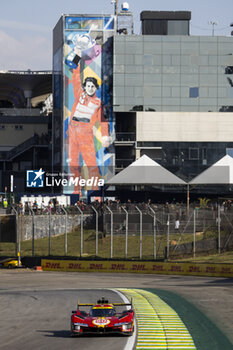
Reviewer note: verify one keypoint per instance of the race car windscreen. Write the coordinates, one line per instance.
(102, 312)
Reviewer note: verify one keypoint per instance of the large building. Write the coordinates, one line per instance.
(177, 92)
(167, 94)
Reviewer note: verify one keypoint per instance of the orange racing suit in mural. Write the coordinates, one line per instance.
(86, 114)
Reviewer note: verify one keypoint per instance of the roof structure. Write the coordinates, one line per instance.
(15, 84)
(145, 171)
(220, 172)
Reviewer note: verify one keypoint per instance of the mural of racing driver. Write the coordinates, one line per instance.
(87, 112)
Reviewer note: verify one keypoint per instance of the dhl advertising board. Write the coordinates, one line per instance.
(88, 157)
(218, 270)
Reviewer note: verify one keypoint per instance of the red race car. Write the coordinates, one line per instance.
(103, 319)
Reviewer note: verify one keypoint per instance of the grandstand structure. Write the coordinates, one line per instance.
(25, 125)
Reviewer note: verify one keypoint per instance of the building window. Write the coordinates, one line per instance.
(194, 92)
(193, 153)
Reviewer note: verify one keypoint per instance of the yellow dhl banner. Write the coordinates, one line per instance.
(218, 270)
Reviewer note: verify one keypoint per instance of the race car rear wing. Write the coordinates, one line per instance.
(104, 301)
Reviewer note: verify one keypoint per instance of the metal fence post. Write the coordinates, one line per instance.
(126, 231)
(140, 230)
(219, 230)
(168, 234)
(111, 230)
(49, 233)
(33, 231)
(154, 231)
(63, 209)
(194, 233)
(96, 230)
(17, 238)
(81, 226)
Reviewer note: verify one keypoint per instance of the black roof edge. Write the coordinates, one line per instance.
(172, 15)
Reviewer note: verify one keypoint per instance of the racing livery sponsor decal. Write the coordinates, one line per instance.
(101, 322)
(119, 267)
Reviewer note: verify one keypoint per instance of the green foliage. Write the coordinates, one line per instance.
(203, 202)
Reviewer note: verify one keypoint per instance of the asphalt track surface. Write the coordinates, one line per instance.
(35, 306)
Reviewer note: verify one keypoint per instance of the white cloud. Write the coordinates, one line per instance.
(29, 52)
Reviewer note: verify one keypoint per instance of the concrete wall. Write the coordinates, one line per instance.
(184, 126)
(41, 225)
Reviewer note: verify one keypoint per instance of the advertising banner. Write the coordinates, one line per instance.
(217, 270)
(88, 118)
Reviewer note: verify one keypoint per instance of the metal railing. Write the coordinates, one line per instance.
(22, 112)
(125, 136)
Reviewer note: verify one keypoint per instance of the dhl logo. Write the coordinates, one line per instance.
(158, 268)
(74, 266)
(194, 269)
(50, 265)
(96, 266)
(138, 267)
(118, 267)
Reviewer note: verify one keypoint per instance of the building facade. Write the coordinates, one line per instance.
(167, 94)
(173, 99)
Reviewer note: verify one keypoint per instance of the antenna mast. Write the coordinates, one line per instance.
(115, 2)
(213, 23)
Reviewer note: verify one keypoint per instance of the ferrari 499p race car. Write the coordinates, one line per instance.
(102, 319)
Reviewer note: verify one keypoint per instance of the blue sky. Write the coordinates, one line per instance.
(26, 26)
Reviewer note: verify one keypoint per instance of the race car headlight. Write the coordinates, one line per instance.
(80, 325)
(127, 326)
(122, 324)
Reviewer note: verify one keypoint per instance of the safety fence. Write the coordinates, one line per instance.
(119, 231)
